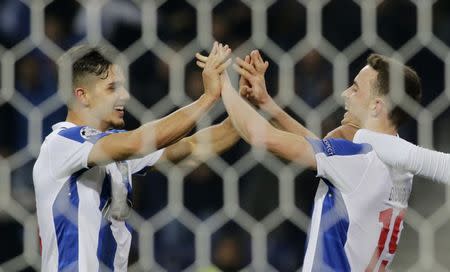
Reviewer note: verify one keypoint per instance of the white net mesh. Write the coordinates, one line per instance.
(242, 210)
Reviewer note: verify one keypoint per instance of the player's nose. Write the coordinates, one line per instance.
(125, 95)
(344, 93)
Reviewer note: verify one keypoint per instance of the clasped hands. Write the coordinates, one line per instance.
(251, 69)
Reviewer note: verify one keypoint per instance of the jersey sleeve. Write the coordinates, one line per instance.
(69, 150)
(341, 162)
(139, 166)
(402, 154)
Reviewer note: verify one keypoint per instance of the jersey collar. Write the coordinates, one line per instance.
(63, 125)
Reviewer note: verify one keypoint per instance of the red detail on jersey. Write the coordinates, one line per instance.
(383, 266)
(40, 242)
(385, 218)
(395, 232)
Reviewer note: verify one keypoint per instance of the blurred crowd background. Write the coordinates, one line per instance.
(36, 79)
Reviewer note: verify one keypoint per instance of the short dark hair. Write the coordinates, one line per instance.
(413, 87)
(87, 60)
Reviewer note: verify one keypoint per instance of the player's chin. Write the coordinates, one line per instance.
(118, 123)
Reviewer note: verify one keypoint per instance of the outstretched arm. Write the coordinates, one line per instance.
(255, 130)
(402, 154)
(252, 70)
(165, 131)
(208, 141)
(201, 146)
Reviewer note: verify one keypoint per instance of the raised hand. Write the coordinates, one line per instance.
(213, 65)
(244, 84)
(252, 84)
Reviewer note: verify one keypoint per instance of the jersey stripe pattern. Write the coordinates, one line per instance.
(352, 228)
(70, 199)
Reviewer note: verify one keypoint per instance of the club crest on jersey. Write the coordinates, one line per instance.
(88, 132)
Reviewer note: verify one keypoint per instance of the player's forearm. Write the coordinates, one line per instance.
(255, 130)
(204, 144)
(284, 121)
(165, 131)
(215, 139)
(248, 123)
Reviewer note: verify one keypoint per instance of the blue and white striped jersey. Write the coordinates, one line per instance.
(70, 198)
(358, 208)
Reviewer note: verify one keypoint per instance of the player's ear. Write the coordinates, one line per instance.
(81, 96)
(378, 106)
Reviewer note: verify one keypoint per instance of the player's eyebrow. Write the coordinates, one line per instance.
(115, 84)
(356, 84)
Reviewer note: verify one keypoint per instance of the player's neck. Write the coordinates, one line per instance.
(80, 119)
(380, 125)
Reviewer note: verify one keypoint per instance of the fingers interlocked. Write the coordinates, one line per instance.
(217, 58)
(251, 70)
